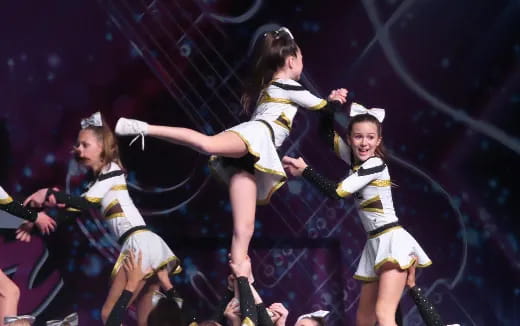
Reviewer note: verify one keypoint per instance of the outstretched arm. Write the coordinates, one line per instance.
(369, 171)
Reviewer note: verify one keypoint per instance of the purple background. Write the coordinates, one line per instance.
(446, 72)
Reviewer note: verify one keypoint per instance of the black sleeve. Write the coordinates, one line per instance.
(326, 128)
(323, 184)
(247, 303)
(426, 308)
(67, 215)
(332, 106)
(218, 314)
(17, 209)
(263, 316)
(77, 202)
(118, 312)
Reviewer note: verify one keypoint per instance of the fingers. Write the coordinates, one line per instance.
(23, 236)
(287, 160)
(139, 258)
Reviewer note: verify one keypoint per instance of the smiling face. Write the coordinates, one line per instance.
(364, 139)
(88, 150)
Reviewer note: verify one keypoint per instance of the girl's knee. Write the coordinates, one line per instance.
(244, 231)
(385, 314)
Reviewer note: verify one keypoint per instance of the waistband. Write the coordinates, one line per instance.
(269, 127)
(129, 232)
(383, 229)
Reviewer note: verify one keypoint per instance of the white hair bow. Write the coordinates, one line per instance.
(316, 314)
(11, 319)
(357, 109)
(93, 121)
(70, 320)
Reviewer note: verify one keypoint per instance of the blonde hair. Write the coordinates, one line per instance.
(110, 151)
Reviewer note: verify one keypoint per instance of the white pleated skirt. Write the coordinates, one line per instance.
(394, 245)
(268, 169)
(156, 253)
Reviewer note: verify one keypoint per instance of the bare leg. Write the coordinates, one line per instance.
(116, 289)
(144, 301)
(164, 279)
(225, 143)
(391, 285)
(242, 194)
(9, 296)
(366, 313)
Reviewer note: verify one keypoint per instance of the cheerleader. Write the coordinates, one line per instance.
(390, 249)
(9, 291)
(96, 149)
(245, 155)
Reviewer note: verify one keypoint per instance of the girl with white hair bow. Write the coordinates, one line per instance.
(390, 250)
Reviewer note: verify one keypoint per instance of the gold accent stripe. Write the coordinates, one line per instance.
(381, 183)
(385, 231)
(271, 192)
(119, 187)
(336, 144)
(281, 124)
(319, 105)
(117, 265)
(393, 260)
(247, 322)
(109, 206)
(93, 199)
(285, 118)
(164, 264)
(365, 278)
(268, 99)
(71, 209)
(115, 215)
(370, 201)
(342, 193)
(5, 201)
(374, 210)
(260, 168)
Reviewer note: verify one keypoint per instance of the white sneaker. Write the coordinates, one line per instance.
(131, 127)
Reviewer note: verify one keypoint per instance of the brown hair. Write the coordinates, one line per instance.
(105, 135)
(270, 55)
(380, 150)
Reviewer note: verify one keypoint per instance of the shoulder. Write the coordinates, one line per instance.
(372, 165)
(287, 84)
(110, 171)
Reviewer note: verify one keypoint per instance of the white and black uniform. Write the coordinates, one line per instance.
(266, 131)
(370, 185)
(17, 209)
(109, 194)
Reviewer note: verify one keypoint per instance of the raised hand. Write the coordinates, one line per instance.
(338, 95)
(232, 312)
(134, 273)
(294, 166)
(280, 313)
(37, 199)
(45, 223)
(243, 269)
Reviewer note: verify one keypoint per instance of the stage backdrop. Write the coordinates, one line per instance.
(446, 72)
